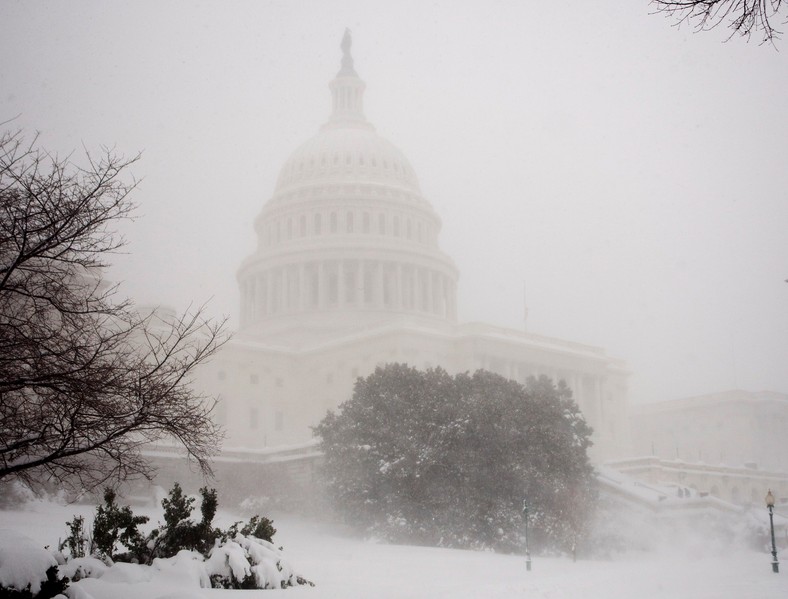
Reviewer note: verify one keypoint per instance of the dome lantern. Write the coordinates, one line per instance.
(347, 90)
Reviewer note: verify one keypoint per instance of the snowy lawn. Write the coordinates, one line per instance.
(347, 568)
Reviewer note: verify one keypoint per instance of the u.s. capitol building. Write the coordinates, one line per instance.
(347, 275)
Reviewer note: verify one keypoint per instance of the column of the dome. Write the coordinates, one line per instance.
(412, 288)
(400, 304)
(418, 304)
(269, 294)
(379, 284)
(322, 298)
(301, 287)
(283, 288)
(430, 303)
(441, 308)
(452, 308)
(340, 284)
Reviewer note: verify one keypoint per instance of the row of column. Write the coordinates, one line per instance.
(348, 283)
(587, 390)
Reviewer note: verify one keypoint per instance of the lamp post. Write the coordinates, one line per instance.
(770, 506)
(527, 552)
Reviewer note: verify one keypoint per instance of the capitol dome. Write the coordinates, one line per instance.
(346, 239)
(347, 155)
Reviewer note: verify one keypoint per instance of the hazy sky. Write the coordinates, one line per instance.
(632, 174)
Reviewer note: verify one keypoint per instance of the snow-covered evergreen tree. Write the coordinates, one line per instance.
(426, 457)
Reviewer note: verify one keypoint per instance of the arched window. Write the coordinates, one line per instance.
(409, 229)
(333, 224)
(349, 222)
(302, 225)
(382, 224)
(365, 222)
(396, 226)
(318, 224)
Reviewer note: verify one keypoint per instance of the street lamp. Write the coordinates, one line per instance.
(770, 506)
(527, 552)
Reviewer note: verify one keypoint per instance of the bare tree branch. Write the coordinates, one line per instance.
(744, 17)
(85, 381)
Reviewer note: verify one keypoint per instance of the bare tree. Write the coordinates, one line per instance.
(85, 380)
(744, 17)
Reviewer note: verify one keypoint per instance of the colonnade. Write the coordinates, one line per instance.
(327, 284)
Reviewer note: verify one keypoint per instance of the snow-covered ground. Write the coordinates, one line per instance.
(348, 568)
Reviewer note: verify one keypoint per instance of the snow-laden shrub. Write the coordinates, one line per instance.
(82, 567)
(247, 562)
(27, 570)
(194, 552)
(188, 567)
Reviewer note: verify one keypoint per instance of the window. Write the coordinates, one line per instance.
(221, 375)
(279, 381)
(365, 222)
(396, 226)
(382, 224)
(317, 224)
(254, 379)
(349, 222)
(333, 222)
(253, 418)
(302, 225)
(279, 421)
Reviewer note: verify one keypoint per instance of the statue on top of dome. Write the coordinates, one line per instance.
(347, 59)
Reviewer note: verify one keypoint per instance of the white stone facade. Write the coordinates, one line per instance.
(348, 275)
(731, 428)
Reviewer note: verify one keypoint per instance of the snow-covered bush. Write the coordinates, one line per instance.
(242, 557)
(246, 562)
(82, 567)
(26, 570)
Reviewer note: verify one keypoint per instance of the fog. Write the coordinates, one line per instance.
(629, 174)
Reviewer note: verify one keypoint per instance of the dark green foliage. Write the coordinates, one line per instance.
(259, 527)
(230, 582)
(430, 458)
(51, 587)
(76, 542)
(114, 524)
(179, 530)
